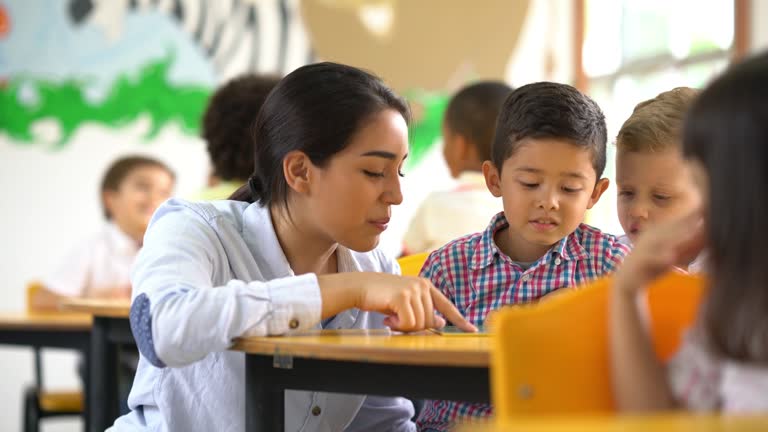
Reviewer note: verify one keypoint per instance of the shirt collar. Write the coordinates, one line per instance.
(261, 239)
(485, 251)
(259, 234)
(123, 243)
(473, 178)
(568, 248)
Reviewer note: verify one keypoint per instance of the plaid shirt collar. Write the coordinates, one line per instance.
(485, 252)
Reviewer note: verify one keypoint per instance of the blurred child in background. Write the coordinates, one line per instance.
(468, 128)
(227, 126)
(132, 188)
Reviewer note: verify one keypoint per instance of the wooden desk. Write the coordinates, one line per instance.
(656, 423)
(51, 329)
(53, 322)
(421, 366)
(98, 307)
(111, 329)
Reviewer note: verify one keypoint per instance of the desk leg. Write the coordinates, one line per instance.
(264, 398)
(87, 396)
(103, 377)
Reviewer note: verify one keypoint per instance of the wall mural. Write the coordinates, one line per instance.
(113, 62)
(25, 101)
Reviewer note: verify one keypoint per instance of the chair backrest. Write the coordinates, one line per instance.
(33, 289)
(410, 265)
(552, 357)
(674, 302)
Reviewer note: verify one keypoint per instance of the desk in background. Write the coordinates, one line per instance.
(111, 329)
(50, 330)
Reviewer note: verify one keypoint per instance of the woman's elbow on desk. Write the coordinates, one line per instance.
(161, 338)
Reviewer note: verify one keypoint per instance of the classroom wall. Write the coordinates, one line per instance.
(759, 19)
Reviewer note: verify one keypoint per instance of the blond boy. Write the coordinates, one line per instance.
(654, 181)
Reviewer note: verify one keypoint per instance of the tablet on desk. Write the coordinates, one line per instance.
(455, 331)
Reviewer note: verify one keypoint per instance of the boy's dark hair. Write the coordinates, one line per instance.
(122, 168)
(228, 122)
(726, 130)
(316, 109)
(550, 110)
(472, 113)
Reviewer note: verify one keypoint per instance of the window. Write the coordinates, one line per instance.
(633, 50)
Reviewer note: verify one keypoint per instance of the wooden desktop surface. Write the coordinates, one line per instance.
(672, 422)
(44, 321)
(113, 308)
(375, 346)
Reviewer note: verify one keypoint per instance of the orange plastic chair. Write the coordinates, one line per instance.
(552, 357)
(38, 403)
(410, 265)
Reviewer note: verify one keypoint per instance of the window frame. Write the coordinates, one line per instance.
(739, 49)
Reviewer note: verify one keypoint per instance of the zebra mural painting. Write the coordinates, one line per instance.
(238, 36)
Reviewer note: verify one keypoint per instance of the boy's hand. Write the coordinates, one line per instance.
(658, 249)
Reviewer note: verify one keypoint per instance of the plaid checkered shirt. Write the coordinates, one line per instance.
(478, 278)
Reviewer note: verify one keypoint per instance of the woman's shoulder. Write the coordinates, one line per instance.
(205, 209)
(210, 212)
(180, 220)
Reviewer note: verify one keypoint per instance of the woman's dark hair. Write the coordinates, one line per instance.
(727, 132)
(315, 109)
(228, 122)
(122, 168)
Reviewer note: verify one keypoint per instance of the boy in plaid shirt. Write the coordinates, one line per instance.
(546, 164)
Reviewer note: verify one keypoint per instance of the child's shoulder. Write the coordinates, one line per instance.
(599, 243)
(460, 249)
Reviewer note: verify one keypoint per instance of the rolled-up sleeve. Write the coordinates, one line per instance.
(178, 314)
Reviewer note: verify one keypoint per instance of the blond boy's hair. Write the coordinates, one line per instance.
(656, 124)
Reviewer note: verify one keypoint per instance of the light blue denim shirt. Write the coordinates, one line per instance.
(211, 272)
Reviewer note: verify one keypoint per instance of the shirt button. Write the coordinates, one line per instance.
(294, 323)
(526, 278)
(558, 261)
(316, 410)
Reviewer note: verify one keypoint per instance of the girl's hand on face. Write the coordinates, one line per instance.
(410, 302)
(658, 249)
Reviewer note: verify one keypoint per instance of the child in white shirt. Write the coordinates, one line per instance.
(131, 189)
(468, 129)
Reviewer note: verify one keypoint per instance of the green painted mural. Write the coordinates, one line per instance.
(150, 93)
(427, 125)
